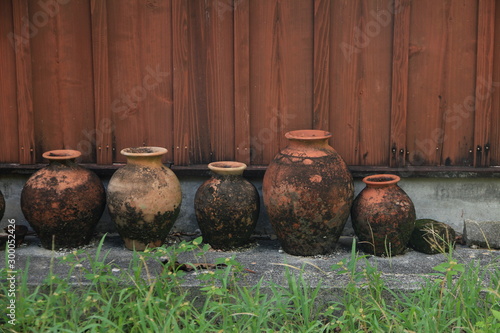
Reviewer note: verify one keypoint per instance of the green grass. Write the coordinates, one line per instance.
(147, 299)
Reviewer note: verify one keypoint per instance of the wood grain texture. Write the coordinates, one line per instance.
(140, 69)
(281, 63)
(361, 81)
(321, 71)
(484, 82)
(62, 77)
(399, 96)
(459, 70)
(9, 149)
(24, 83)
(441, 74)
(103, 114)
(242, 80)
(495, 110)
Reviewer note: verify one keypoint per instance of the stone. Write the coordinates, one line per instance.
(485, 234)
(432, 237)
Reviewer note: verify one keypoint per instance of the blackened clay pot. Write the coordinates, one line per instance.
(227, 206)
(63, 201)
(308, 192)
(144, 198)
(383, 216)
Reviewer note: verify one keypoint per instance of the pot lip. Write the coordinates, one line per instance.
(61, 154)
(143, 151)
(308, 134)
(381, 179)
(227, 167)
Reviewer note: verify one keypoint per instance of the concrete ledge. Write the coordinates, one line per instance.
(263, 261)
(482, 233)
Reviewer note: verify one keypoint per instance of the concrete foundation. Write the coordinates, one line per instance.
(448, 200)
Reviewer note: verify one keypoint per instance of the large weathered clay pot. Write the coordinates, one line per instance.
(383, 216)
(144, 198)
(308, 192)
(63, 201)
(227, 206)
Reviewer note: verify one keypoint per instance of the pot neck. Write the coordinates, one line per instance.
(144, 156)
(227, 168)
(145, 161)
(62, 157)
(382, 180)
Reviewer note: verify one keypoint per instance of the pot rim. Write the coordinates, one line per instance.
(61, 154)
(372, 180)
(227, 167)
(308, 134)
(143, 151)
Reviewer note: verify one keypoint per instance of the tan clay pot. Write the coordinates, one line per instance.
(144, 198)
(63, 201)
(308, 192)
(383, 216)
(227, 206)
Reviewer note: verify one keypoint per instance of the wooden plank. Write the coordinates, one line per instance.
(8, 96)
(459, 70)
(140, 70)
(428, 42)
(102, 99)
(374, 83)
(62, 77)
(399, 100)
(495, 110)
(27, 149)
(242, 80)
(281, 62)
(218, 34)
(322, 27)
(344, 111)
(484, 81)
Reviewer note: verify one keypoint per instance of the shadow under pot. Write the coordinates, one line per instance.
(227, 206)
(383, 216)
(63, 201)
(144, 198)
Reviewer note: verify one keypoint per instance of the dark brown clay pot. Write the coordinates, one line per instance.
(144, 198)
(383, 216)
(227, 206)
(63, 201)
(308, 192)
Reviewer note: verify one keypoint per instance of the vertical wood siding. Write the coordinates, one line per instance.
(397, 82)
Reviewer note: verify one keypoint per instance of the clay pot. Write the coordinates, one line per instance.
(63, 201)
(2, 205)
(227, 206)
(383, 216)
(144, 198)
(308, 192)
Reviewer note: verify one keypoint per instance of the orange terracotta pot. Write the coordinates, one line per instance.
(308, 192)
(144, 198)
(227, 206)
(63, 201)
(383, 216)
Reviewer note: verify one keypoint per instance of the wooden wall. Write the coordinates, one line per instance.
(397, 82)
